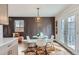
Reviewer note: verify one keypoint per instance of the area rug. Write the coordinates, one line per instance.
(34, 50)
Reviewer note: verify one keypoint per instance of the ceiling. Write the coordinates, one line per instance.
(30, 10)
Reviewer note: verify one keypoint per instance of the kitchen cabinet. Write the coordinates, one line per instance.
(9, 48)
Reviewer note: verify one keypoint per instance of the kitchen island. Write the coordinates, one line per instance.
(8, 46)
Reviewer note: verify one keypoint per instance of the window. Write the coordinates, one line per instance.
(19, 25)
(62, 31)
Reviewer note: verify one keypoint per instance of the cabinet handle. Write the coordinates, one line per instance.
(9, 45)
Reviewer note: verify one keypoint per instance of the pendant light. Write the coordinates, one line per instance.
(38, 17)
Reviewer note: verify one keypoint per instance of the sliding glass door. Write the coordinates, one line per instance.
(68, 32)
(71, 37)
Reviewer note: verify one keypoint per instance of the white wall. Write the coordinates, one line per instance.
(71, 10)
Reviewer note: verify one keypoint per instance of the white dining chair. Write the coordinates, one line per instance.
(52, 36)
(27, 37)
(40, 43)
(29, 40)
(50, 42)
(51, 39)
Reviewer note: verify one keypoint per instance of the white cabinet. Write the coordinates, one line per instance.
(10, 48)
(1, 33)
(13, 50)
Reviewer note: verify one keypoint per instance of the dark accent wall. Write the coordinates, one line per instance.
(31, 27)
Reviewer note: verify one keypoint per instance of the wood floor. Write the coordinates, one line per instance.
(23, 46)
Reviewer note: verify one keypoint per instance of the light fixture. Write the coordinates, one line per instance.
(38, 17)
(4, 14)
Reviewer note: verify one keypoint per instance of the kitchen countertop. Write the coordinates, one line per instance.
(6, 41)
